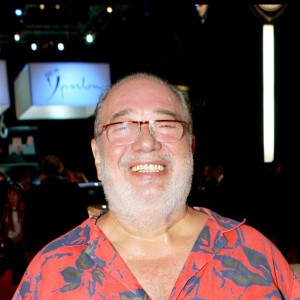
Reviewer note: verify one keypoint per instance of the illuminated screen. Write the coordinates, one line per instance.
(60, 90)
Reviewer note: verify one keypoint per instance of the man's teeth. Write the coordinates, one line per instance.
(147, 168)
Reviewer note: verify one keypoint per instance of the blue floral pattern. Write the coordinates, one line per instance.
(229, 260)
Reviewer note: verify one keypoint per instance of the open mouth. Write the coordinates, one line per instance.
(148, 168)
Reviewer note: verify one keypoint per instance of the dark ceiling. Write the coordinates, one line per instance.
(165, 38)
(219, 58)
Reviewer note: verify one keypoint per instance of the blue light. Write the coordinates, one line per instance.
(18, 12)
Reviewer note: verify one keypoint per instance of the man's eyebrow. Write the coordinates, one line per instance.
(121, 113)
(128, 111)
(167, 112)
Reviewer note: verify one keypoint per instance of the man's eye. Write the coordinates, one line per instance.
(166, 125)
(120, 127)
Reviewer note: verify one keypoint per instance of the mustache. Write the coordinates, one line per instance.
(168, 157)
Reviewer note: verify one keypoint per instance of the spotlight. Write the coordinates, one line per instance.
(109, 9)
(60, 46)
(42, 6)
(33, 46)
(89, 38)
(18, 12)
(202, 11)
(270, 11)
(17, 37)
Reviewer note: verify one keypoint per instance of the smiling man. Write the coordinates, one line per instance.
(150, 244)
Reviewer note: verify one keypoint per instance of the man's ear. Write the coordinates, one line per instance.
(96, 154)
(193, 144)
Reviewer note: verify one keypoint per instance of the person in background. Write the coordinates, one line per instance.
(12, 229)
(218, 174)
(4, 182)
(150, 244)
(24, 176)
(202, 188)
(223, 192)
(58, 205)
(206, 174)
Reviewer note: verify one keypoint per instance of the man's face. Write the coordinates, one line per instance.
(119, 167)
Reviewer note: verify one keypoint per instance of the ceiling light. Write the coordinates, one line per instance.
(109, 9)
(270, 11)
(60, 46)
(33, 46)
(270, 7)
(202, 11)
(42, 6)
(17, 37)
(89, 38)
(18, 12)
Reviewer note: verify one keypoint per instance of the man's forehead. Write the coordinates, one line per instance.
(139, 85)
(141, 94)
(132, 113)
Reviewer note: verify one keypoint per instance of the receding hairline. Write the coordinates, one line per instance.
(140, 75)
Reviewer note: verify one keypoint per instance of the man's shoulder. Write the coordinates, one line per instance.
(244, 239)
(65, 252)
(221, 223)
(242, 232)
(78, 238)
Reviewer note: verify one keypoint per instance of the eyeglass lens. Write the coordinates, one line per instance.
(127, 132)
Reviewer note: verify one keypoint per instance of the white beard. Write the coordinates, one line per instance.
(147, 209)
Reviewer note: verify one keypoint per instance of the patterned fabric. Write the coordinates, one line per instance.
(229, 260)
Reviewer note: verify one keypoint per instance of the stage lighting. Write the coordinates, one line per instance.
(268, 92)
(17, 37)
(18, 12)
(89, 38)
(60, 46)
(33, 46)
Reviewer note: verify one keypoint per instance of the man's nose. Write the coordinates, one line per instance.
(146, 140)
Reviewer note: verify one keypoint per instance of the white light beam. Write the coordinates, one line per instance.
(268, 92)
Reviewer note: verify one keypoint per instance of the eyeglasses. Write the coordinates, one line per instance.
(125, 133)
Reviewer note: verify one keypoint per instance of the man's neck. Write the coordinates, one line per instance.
(122, 234)
(161, 252)
(136, 229)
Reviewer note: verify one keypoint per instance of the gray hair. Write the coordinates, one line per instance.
(180, 95)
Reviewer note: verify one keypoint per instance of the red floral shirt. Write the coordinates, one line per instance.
(229, 260)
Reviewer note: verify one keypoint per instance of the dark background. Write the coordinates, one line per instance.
(219, 58)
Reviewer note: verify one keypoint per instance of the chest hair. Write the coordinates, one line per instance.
(157, 275)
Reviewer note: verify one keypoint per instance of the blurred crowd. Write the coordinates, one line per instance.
(35, 213)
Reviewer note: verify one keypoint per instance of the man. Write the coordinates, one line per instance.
(150, 245)
(54, 197)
